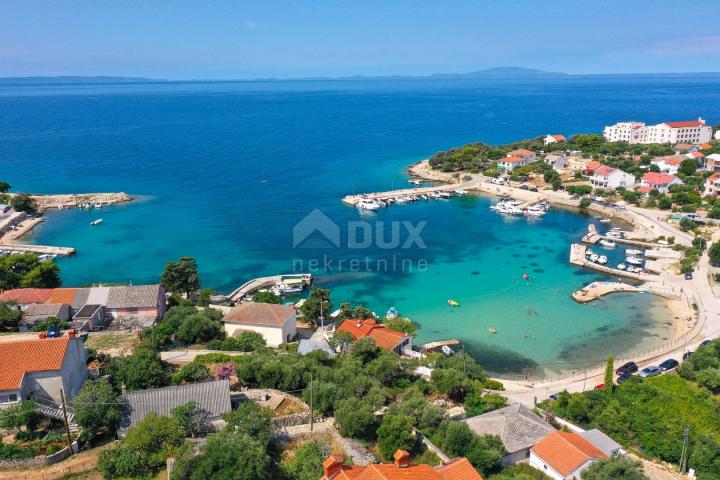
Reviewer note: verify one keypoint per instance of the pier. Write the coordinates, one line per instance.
(596, 290)
(256, 284)
(38, 249)
(593, 237)
(577, 257)
(354, 199)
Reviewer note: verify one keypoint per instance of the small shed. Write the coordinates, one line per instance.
(39, 312)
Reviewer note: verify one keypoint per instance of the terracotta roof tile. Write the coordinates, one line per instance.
(655, 178)
(260, 314)
(512, 159)
(459, 469)
(604, 170)
(62, 295)
(521, 151)
(26, 295)
(565, 452)
(384, 337)
(23, 356)
(691, 123)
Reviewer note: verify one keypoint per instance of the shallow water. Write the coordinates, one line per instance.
(225, 171)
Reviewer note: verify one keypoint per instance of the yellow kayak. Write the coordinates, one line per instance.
(492, 330)
(453, 303)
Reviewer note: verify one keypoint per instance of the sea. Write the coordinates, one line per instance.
(248, 177)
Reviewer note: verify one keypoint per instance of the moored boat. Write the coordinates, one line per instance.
(621, 266)
(634, 253)
(602, 260)
(97, 221)
(607, 243)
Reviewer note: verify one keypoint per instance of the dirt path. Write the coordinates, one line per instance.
(83, 462)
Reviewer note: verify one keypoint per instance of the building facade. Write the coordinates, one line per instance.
(658, 181)
(611, 178)
(712, 185)
(276, 323)
(693, 132)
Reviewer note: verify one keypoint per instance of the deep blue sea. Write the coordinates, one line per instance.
(224, 171)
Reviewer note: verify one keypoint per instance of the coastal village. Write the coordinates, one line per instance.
(275, 381)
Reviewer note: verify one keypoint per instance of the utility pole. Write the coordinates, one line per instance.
(322, 319)
(683, 459)
(67, 424)
(585, 380)
(312, 412)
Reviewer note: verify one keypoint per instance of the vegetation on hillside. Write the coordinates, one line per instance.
(25, 270)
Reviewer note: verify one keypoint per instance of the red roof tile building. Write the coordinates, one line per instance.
(564, 455)
(659, 181)
(549, 139)
(276, 323)
(528, 155)
(26, 296)
(690, 132)
(402, 469)
(385, 338)
(42, 367)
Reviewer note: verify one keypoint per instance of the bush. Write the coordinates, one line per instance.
(11, 451)
(395, 433)
(401, 324)
(617, 467)
(139, 371)
(356, 418)
(714, 254)
(585, 202)
(191, 373)
(247, 341)
(97, 406)
(306, 464)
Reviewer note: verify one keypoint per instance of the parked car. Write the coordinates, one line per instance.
(706, 342)
(524, 187)
(533, 189)
(650, 371)
(687, 354)
(624, 378)
(629, 367)
(669, 364)
(554, 396)
(599, 387)
(688, 275)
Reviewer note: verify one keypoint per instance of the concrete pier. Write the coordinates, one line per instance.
(263, 282)
(354, 199)
(596, 290)
(38, 249)
(577, 257)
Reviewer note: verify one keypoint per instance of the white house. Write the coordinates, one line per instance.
(712, 162)
(558, 162)
(41, 367)
(712, 185)
(611, 178)
(524, 153)
(510, 163)
(564, 455)
(669, 164)
(658, 181)
(549, 139)
(693, 131)
(276, 323)
(717, 135)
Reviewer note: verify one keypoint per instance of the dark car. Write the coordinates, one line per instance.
(686, 355)
(688, 275)
(533, 189)
(706, 342)
(668, 364)
(555, 396)
(624, 378)
(629, 367)
(524, 187)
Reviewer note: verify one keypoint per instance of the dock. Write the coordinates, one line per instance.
(441, 343)
(38, 249)
(355, 199)
(596, 290)
(593, 237)
(256, 284)
(577, 257)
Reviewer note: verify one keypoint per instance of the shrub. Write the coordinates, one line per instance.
(585, 202)
(395, 433)
(191, 373)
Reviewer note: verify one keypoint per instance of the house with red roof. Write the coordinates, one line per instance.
(508, 164)
(591, 166)
(712, 185)
(26, 296)
(401, 469)
(524, 153)
(42, 367)
(609, 178)
(669, 164)
(564, 455)
(550, 139)
(712, 162)
(276, 323)
(658, 181)
(384, 337)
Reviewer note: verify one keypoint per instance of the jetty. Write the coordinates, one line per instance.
(256, 284)
(355, 199)
(596, 290)
(440, 343)
(593, 237)
(577, 257)
(38, 249)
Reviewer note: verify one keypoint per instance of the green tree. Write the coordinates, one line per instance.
(97, 406)
(714, 253)
(4, 187)
(10, 316)
(476, 404)
(191, 373)
(22, 414)
(252, 420)
(43, 275)
(317, 302)
(194, 420)
(200, 328)
(688, 167)
(616, 468)
(395, 433)
(181, 277)
(307, 462)
(486, 453)
(140, 371)
(664, 203)
(342, 340)
(231, 456)
(401, 324)
(356, 418)
(266, 297)
(609, 375)
(22, 202)
(365, 349)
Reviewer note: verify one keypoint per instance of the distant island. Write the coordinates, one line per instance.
(498, 73)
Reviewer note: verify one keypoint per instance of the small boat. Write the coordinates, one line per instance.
(433, 195)
(594, 257)
(492, 330)
(525, 276)
(607, 243)
(588, 252)
(460, 191)
(368, 205)
(414, 181)
(602, 260)
(634, 260)
(391, 313)
(634, 253)
(447, 350)
(96, 222)
(663, 242)
(453, 303)
(621, 266)
(444, 194)
(98, 205)
(423, 196)
(605, 220)
(402, 200)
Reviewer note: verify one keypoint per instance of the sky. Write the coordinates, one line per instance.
(215, 39)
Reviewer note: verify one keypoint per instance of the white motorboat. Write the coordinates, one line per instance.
(634, 260)
(414, 181)
(402, 200)
(391, 313)
(588, 252)
(96, 222)
(622, 266)
(605, 220)
(368, 205)
(634, 253)
(444, 194)
(460, 191)
(433, 195)
(423, 196)
(515, 211)
(447, 350)
(534, 212)
(602, 260)
(607, 243)
(594, 257)
(613, 235)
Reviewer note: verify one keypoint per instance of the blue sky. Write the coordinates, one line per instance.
(236, 39)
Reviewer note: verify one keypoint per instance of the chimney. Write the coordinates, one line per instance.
(71, 333)
(402, 459)
(331, 467)
(42, 335)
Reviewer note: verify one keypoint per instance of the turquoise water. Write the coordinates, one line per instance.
(224, 171)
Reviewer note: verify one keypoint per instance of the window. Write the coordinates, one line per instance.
(8, 398)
